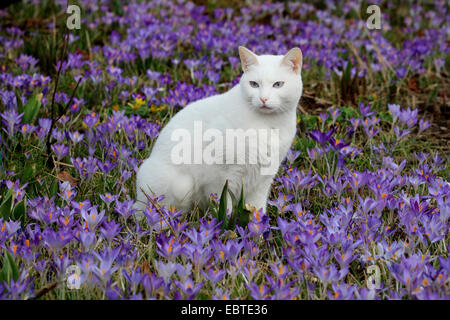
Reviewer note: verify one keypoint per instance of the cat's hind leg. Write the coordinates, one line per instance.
(182, 188)
(158, 178)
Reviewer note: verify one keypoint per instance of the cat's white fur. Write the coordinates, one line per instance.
(241, 107)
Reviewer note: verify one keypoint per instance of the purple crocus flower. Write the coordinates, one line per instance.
(321, 137)
(11, 119)
(60, 150)
(85, 167)
(125, 208)
(408, 117)
(221, 294)
(199, 238)
(401, 133)
(364, 110)
(337, 144)
(258, 292)
(66, 191)
(292, 155)
(26, 129)
(329, 273)
(198, 255)
(19, 191)
(214, 275)
(153, 75)
(371, 132)
(355, 123)
(58, 135)
(281, 202)
(106, 258)
(106, 166)
(134, 278)
(92, 217)
(21, 288)
(168, 247)
(189, 288)
(323, 117)
(344, 259)
(11, 227)
(110, 230)
(91, 119)
(108, 198)
(394, 109)
(165, 270)
(76, 137)
(341, 291)
(335, 113)
(315, 153)
(401, 72)
(76, 105)
(423, 125)
(56, 240)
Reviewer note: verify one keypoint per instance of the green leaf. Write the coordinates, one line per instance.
(239, 210)
(19, 102)
(6, 206)
(117, 7)
(53, 188)
(347, 73)
(278, 237)
(6, 272)
(19, 211)
(241, 203)
(31, 109)
(433, 95)
(13, 266)
(244, 218)
(234, 212)
(9, 269)
(222, 215)
(347, 113)
(27, 173)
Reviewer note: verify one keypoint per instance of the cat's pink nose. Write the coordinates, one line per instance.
(264, 100)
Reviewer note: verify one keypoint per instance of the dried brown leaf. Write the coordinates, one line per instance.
(413, 85)
(66, 176)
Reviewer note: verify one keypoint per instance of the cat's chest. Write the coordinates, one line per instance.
(277, 133)
(258, 145)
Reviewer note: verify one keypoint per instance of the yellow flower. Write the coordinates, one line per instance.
(139, 102)
(154, 108)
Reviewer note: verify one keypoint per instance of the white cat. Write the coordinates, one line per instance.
(265, 98)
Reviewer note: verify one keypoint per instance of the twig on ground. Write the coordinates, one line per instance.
(39, 293)
(160, 213)
(49, 134)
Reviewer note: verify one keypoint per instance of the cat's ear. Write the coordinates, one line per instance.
(248, 58)
(294, 59)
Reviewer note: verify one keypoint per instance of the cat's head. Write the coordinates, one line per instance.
(271, 83)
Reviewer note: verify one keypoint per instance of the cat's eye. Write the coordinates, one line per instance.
(254, 84)
(278, 84)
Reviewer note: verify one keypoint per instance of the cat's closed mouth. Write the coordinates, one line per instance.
(265, 108)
